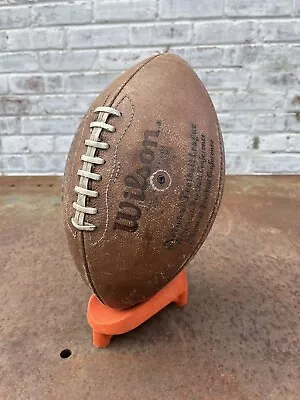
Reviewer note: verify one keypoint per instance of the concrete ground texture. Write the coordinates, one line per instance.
(237, 339)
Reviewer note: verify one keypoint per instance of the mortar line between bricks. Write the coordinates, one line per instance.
(187, 45)
(90, 94)
(55, 135)
(65, 93)
(151, 22)
(231, 112)
(157, 47)
(130, 47)
(219, 110)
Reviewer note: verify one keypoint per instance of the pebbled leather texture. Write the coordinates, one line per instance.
(161, 184)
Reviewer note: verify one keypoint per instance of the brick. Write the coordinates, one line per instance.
(294, 143)
(46, 163)
(14, 144)
(21, 105)
(200, 56)
(280, 31)
(266, 78)
(39, 163)
(129, 10)
(162, 33)
(18, 40)
(221, 32)
(34, 39)
(234, 78)
(97, 36)
(272, 57)
(14, 17)
(297, 7)
(49, 125)
(88, 82)
(119, 60)
(235, 122)
(274, 143)
(3, 84)
(174, 9)
(18, 62)
(275, 163)
(26, 84)
(13, 163)
(62, 13)
(54, 83)
(252, 100)
(10, 125)
(40, 144)
(293, 122)
(47, 38)
(270, 122)
(67, 104)
(241, 55)
(67, 60)
(251, 8)
(62, 143)
(237, 142)
(237, 163)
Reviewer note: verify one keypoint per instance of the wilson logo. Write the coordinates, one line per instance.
(136, 184)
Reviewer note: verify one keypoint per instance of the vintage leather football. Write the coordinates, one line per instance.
(143, 180)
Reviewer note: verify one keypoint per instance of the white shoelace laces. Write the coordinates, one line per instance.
(89, 160)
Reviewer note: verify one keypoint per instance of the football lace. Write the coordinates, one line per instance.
(89, 160)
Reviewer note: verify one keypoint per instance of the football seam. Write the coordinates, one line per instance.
(113, 169)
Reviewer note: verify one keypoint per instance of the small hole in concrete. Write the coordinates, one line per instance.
(12, 185)
(65, 353)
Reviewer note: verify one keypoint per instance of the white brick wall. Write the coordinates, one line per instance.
(57, 55)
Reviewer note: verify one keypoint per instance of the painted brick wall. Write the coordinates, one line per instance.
(57, 55)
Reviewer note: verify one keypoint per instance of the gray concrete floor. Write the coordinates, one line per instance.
(238, 337)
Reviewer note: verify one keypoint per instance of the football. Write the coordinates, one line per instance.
(143, 180)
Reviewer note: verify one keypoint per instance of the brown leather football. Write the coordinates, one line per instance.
(143, 180)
